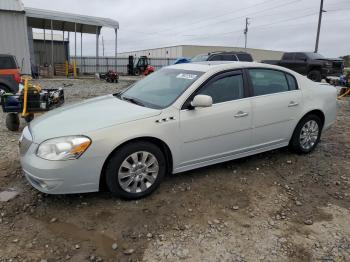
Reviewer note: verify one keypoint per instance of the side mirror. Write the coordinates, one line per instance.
(202, 101)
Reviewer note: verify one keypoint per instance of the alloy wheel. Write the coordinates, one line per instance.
(138, 172)
(309, 134)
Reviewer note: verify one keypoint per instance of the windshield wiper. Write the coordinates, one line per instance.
(132, 100)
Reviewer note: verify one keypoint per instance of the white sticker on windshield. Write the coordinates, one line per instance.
(186, 76)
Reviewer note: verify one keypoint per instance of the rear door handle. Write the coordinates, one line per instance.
(241, 114)
(292, 103)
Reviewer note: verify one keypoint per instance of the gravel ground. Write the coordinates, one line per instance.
(275, 206)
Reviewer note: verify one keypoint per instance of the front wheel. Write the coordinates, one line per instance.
(135, 170)
(306, 135)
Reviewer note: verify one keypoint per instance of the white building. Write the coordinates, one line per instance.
(193, 50)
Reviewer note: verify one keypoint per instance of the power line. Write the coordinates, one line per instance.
(204, 19)
(225, 20)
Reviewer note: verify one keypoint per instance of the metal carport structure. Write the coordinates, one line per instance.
(68, 22)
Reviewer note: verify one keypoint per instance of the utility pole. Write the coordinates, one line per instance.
(103, 47)
(319, 26)
(246, 31)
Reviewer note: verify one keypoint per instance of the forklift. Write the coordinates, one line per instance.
(140, 66)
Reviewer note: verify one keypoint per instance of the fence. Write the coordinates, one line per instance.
(87, 64)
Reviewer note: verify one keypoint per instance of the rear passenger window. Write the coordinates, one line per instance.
(229, 58)
(216, 58)
(288, 56)
(300, 57)
(267, 81)
(245, 57)
(224, 89)
(291, 82)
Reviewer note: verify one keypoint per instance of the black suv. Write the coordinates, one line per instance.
(223, 56)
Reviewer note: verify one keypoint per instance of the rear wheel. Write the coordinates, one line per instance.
(307, 134)
(12, 122)
(135, 170)
(315, 75)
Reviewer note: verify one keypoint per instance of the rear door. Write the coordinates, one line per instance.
(276, 105)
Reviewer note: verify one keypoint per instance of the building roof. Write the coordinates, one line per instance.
(39, 18)
(11, 5)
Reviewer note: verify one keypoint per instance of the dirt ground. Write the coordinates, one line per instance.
(275, 206)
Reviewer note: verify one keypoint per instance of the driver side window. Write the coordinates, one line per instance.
(223, 89)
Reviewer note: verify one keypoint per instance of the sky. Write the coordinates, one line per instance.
(284, 25)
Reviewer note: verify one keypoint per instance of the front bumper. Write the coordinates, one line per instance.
(331, 72)
(59, 177)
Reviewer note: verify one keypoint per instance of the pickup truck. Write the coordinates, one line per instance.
(10, 75)
(315, 66)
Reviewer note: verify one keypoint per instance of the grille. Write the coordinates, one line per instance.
(337, 65)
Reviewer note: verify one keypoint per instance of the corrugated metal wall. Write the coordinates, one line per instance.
(165, 52)
(42, 52)
(11, 5)
(87, 65)
(193, 50)
(14, 38)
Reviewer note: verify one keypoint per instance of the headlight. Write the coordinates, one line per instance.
(63, 148)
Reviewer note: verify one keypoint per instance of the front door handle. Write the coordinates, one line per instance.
(292, 103)
(241, 114)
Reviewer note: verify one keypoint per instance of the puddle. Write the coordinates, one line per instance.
(103, 243)
(6, 196)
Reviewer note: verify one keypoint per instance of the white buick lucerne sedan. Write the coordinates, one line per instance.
(179, 118)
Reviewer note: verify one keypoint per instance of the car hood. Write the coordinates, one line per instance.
(89, 115)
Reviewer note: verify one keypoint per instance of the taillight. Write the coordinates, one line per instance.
(17, 78)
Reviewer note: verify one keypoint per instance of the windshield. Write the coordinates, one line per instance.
(162, 88)
(200, 58)
(314, 56)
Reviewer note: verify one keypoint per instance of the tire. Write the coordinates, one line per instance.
(12, 122)
(315, 75)
(137, 72)
(28, 118)
(122, 177)
(309, 142)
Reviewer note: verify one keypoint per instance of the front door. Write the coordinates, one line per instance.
(220, 131)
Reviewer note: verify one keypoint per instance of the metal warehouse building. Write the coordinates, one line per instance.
(13, 32)
(193, 50)
(16, 33)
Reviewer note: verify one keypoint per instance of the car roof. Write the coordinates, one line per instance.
(222, 65)
(228, 52)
